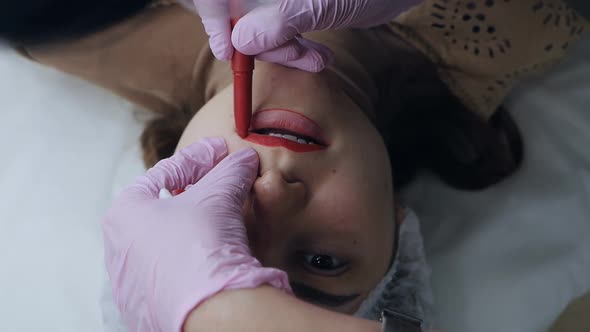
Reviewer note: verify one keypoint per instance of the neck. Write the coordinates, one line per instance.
(369, 62)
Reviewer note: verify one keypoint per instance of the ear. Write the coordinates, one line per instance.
(400, 212)
(399, 217)
(161, 135)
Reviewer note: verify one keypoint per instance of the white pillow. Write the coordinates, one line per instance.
(512, 257)
(60, 139)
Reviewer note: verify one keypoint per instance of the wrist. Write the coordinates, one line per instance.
(268, 309)
(224, 307)
(225, 271)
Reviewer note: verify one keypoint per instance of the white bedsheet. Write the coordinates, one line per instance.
(60, 142)
(507, 259)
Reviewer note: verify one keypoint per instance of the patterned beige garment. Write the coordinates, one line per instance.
(483, 47)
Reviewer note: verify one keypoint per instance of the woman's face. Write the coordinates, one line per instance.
(326, 217)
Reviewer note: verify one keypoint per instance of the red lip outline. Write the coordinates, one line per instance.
(290, 122)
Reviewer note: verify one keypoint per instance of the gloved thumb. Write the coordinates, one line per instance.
(227, 186)
(276, 37)
(262, 30)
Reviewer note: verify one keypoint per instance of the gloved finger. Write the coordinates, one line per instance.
(215, 16)
(262, 30)
(219, 32)
(186, 167)
(290, 51)
(306, 55)
(227, 186)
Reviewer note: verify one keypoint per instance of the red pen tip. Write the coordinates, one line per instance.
(177, 192)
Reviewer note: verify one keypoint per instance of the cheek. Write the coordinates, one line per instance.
(357, 201)
(359, 195)
(215, 119)
(354, 206)
(363, 180)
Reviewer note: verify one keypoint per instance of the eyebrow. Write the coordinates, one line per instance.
(317, 296)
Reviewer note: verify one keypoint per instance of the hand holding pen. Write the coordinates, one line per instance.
(271, 29)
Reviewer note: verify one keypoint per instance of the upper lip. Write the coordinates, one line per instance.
(288, 122)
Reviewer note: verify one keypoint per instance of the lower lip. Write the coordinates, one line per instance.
(272, 141)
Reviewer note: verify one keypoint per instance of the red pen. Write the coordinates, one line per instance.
(242, 66)
(176, 192)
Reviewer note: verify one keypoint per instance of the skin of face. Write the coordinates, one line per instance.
(324, 217)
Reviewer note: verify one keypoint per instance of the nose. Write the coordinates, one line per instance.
(276, 199)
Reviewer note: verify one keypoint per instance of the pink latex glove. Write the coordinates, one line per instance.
(272, 29)
(166, 256)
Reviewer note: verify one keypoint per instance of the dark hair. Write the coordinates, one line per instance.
(465, 151)
(161, 135)
(38, 21)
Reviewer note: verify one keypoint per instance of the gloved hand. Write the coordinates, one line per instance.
(166, 256)
(272, 29)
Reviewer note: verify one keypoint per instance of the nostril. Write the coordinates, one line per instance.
(275, 178)
(277, 175)
(290, 179)
(277, 197)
